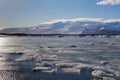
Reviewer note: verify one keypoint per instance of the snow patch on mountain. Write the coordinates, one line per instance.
(69, 26)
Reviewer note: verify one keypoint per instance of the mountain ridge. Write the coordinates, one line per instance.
(73, 26)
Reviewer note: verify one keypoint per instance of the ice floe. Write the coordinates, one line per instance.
(107, 78)
(100, 74)
(104, 62)
(46, 64)
(65, 65)
(29, 57)
(71, 70)
(40, 68)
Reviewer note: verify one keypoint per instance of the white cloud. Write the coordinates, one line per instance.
(82, 20)
(111, 20)
(74, 20)
(109, 2)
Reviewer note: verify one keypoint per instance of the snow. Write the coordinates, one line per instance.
(66, 27)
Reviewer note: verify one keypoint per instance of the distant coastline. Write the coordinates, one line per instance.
(58, 35)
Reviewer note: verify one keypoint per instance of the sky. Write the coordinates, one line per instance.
(27, 13)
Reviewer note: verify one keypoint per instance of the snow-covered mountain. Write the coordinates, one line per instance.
(72, 26)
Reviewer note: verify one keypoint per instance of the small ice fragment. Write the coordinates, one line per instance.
(81, 66)
(46, 64)
(40, 68)
(50, 71)
(54, 70)
(117, 74)
(53, 56)
(107, 78)
(104, 62)
(91, 43)
(71, 70)
(65, 65)
(38, 64)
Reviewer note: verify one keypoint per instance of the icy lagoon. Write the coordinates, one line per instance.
(60, 58)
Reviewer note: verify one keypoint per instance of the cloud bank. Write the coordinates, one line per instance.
(109, 2)
(82, 20)
(74, 20)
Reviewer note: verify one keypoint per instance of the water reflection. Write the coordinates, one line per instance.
(13, 70)
(2, 40)
(2, 44)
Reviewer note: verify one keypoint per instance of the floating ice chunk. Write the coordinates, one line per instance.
(38, 58)
(50, 58)
(103, 68)
(54, 70)
(100, 74)
(71, 70)
(84, 67)
(91, 43)
(118, 36)
(38, 64)
(107, 78)
(46, 64)
(104, 62)
(93, 67)
(54, 56)
(51, 71)
(81, 66)
(65, 65)
(117, 74)
(29, 57)
(40, 68)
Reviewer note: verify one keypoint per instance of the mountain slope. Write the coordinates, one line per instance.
(74, 26)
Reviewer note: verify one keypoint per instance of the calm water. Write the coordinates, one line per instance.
(85, 50)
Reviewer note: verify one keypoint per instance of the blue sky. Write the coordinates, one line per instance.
(25, 13)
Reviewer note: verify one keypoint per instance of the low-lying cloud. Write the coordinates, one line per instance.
(109, 2)
(74, 20)
(83, 20)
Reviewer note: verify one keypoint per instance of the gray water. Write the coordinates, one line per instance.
(85, 50)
